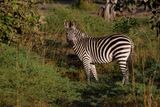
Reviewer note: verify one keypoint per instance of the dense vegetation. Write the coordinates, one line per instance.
(18, 18)
(53, 76)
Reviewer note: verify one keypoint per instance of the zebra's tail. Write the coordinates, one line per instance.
(130, 63)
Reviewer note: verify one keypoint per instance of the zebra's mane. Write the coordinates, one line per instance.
(103, 36)
(83, 35)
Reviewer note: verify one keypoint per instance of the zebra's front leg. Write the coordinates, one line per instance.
(94, 72)
(87, 68)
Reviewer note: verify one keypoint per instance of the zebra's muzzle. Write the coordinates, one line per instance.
(70, 43)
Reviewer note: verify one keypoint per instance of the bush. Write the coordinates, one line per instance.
(124, 24)
(17, 17)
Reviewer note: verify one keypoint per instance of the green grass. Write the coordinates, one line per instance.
(24, 81)
(84, 21)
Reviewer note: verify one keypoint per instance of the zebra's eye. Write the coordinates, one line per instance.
(74, 33)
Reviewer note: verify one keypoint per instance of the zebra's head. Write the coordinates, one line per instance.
(71, 32)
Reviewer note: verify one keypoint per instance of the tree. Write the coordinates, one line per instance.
(17, 17)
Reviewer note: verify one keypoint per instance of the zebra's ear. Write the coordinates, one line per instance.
(73, 25)
(66, 24)
(69, 24)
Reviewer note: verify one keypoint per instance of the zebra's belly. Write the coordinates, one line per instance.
(101, 60)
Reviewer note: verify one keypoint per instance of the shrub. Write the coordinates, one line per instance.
(155, 22)
(124, 24)
(17, 17)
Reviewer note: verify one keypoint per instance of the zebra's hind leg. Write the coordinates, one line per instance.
(94, 72)
(124, 70)
(125, 79)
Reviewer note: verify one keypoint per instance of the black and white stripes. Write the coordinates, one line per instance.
(93, 50)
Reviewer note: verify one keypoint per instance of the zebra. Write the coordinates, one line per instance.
(92, 50)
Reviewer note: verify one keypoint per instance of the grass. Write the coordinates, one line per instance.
(31, 82)
(84, 21)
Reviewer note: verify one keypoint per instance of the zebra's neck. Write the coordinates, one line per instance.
(80, 34)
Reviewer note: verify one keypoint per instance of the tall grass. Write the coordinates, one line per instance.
(31, 83)
(84, 21)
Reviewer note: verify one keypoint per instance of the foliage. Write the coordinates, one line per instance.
(124, 24)
(155, 21)
(24, 81)
(17, 17)
(122, 5)
(108, 93)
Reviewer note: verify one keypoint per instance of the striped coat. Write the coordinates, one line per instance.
(105, 49)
